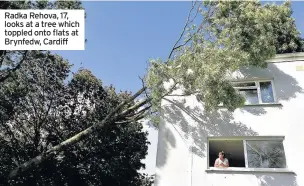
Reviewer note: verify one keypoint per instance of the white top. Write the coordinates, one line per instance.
(219, 161)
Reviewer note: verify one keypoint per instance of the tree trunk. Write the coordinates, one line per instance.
(71, 141)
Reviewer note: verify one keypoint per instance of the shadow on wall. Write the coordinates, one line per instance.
(277, 179)
(166, 141)
(221, 122)
(217, 123)
(286, 86)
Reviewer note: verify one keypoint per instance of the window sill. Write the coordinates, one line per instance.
(248, 170)
(265, 105)
(258, 105)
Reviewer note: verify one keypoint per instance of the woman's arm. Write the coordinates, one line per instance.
(216, 163)
(225, 164)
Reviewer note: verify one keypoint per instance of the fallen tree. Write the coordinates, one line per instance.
(231, 35)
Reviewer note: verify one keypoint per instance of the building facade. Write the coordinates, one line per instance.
(263, 140)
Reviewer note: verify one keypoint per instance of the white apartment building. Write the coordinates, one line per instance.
(263, 140)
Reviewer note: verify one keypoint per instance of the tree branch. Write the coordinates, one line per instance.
(171, 89)
(134, 119)
(2, 55)
(139, 112)
(186, 94)
(143, 84)
(183, 31)
(76, 138)
(111, 117)
(24, 130)
(135, 107)
(11, 133)
(191, 37)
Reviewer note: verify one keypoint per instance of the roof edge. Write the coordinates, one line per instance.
(288, 57)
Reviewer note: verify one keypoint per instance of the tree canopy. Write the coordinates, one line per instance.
(48, 110)
(40, 106)
(231, 35)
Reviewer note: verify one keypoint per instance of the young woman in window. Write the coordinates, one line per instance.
(221, 161)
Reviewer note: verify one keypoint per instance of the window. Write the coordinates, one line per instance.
(265, 154)
(249, 152)
(234, 152)
(256, 92)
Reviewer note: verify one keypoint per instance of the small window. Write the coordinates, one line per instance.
(256, 92)
(249, 84)
(266, 92)
(254, 152)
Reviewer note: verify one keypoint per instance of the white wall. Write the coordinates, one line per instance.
(182, 154)
(150, 160)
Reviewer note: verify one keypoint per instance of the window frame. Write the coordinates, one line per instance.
(246, 168)
(258, 88)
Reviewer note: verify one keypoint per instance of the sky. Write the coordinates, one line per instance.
(123, 36)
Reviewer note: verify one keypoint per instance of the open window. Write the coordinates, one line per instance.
(234, 152)
(248, 152)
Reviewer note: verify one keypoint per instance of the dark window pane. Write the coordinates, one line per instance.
(249, 84)
(265, 154)
(234, 152)
(251, 96)
(266, 92)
